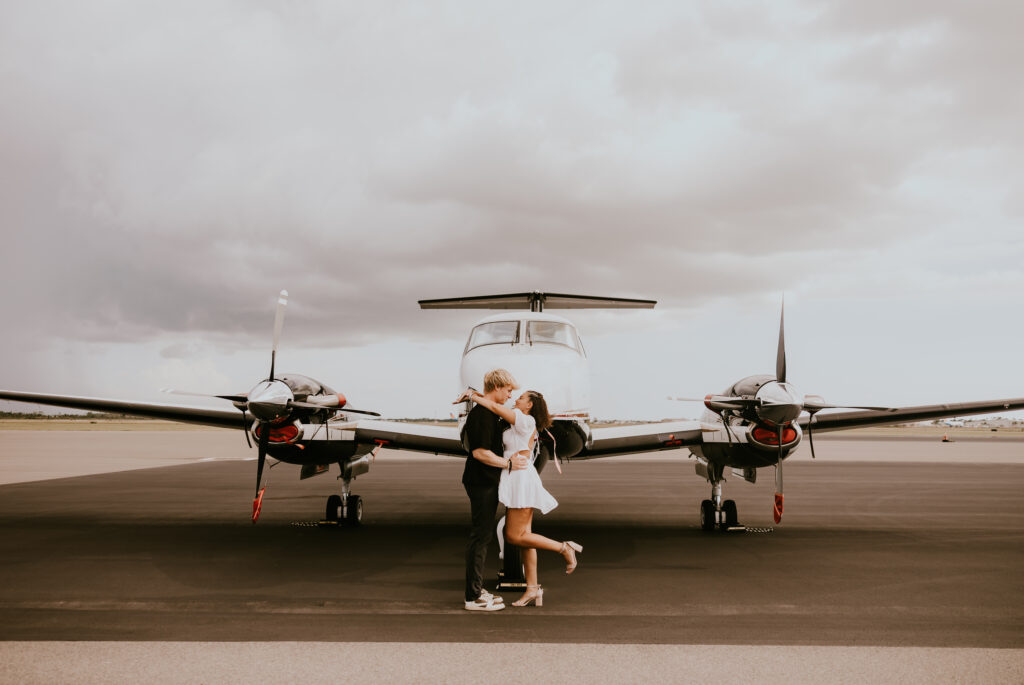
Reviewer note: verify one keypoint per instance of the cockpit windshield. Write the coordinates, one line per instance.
(494, 333)
(552, 332)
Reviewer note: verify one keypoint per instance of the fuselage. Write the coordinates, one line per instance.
(541, 350)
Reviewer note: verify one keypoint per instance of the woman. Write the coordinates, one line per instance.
(521, 491)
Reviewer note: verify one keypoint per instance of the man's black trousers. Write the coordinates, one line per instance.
(483, 503)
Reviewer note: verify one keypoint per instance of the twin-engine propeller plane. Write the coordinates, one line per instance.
(756, 423)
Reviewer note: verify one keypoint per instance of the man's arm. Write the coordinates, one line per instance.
(488, 457)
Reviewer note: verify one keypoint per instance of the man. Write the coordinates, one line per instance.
(482, 437)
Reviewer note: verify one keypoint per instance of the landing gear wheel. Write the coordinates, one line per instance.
(707, 515)
(729, 509)
(354, 515)
(333, 512)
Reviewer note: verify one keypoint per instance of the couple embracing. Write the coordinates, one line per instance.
(499, 467)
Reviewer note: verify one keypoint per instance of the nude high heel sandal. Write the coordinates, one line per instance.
(569, 549)
(534, 593)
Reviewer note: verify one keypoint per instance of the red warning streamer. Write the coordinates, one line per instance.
(257, 504)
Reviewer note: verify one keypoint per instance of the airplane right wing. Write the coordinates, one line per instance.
(860, 419)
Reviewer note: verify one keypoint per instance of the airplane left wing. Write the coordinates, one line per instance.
(646, 437)
(221, 418)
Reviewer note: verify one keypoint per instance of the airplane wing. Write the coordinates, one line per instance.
(860, 419)
(646, 437)
(221, 418)
(394, 434)
(400, 435)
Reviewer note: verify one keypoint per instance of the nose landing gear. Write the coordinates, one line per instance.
(717, 513)
(345, 508)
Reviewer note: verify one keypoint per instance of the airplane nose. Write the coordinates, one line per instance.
(780, 403)
(269, 400)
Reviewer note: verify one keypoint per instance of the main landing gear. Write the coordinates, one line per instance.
(345, 508)
(714, 512)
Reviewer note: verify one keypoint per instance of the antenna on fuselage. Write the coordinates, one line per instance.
(536, 301)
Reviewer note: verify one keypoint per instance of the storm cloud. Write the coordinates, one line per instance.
(165, 169)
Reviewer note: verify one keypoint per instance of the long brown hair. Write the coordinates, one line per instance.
(539, 410)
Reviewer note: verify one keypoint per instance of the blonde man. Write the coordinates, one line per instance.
(484, 463)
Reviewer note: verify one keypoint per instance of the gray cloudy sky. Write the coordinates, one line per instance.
(166, 168)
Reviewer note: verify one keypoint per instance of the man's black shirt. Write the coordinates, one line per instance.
(483, 429)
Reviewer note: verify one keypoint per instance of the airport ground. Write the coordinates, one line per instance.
(897, 559)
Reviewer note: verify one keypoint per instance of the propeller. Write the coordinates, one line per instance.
(780, 377)
(775, 405)
(271, 399)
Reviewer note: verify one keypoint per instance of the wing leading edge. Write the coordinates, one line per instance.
(221, 418)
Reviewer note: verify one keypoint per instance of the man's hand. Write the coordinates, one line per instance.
(519, 462)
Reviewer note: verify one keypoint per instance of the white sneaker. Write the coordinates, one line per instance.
(493, 599)
(481, 604)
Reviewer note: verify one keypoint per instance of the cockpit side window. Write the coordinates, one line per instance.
(494, 333)
(552, 332)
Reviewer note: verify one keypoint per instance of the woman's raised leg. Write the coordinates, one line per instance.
(518, 531)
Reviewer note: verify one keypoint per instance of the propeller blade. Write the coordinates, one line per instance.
(777, 508)
(718, 398)
(257, 502)
(229, 398)
(313, 405)
(282, 302)
(780, 359)
(810, 434)
(264, 441)
(719, 403)
(813, 404)
(245, 429)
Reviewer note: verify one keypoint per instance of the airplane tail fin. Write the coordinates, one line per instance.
(536, 301)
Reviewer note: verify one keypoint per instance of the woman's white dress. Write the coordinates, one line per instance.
(522, 489)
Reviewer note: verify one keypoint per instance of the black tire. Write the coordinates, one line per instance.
(354, 515)
(707, 515)
(333, 512)
(731, 518)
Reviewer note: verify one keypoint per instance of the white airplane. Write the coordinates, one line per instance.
(756, 423)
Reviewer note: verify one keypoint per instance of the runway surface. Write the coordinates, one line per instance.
(872, 554)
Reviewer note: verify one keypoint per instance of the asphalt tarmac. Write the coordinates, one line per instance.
(878, 554)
